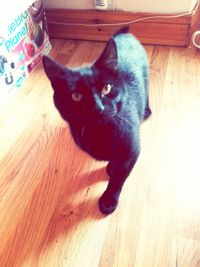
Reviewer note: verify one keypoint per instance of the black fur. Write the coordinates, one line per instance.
(106, 125)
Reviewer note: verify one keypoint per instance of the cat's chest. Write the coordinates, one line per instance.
(99, 141)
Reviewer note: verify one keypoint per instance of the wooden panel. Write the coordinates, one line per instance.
(166, 34)
(99, 26)
(98, 17)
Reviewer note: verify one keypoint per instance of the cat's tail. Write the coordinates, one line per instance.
(122, 31)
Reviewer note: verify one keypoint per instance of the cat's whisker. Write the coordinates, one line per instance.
(123, 119)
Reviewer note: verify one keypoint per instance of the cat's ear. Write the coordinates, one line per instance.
(52, 68)
(54, 71)
(108, 59)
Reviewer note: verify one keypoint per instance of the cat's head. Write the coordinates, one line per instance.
(91, 94)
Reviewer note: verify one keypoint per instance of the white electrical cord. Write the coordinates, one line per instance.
(196, 39)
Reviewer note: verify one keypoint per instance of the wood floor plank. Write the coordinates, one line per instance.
(49, 189)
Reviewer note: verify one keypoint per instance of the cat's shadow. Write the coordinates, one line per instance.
(60, 202)
(69, 213)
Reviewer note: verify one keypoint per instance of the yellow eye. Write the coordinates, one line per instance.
(106, 89)
(76, 96)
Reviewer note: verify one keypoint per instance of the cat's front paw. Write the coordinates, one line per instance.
(107, 203)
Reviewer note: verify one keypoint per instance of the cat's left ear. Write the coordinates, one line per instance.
(52, 69)
(108, 59)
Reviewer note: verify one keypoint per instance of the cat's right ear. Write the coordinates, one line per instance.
(53, 70)
(108, 59)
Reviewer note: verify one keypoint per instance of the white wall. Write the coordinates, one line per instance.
(160, 6)
(163, 6)
(79, 4)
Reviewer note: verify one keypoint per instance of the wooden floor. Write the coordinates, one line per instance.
(49, 189)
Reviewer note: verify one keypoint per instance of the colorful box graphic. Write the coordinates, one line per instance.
(21, 48)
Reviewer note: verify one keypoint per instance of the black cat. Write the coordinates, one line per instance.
(104, 104)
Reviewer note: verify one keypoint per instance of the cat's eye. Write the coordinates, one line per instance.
(76, 96)
(106, 89)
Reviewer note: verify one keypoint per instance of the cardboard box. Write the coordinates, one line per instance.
(21, 48)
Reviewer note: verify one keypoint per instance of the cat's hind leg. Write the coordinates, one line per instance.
(147, 111)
